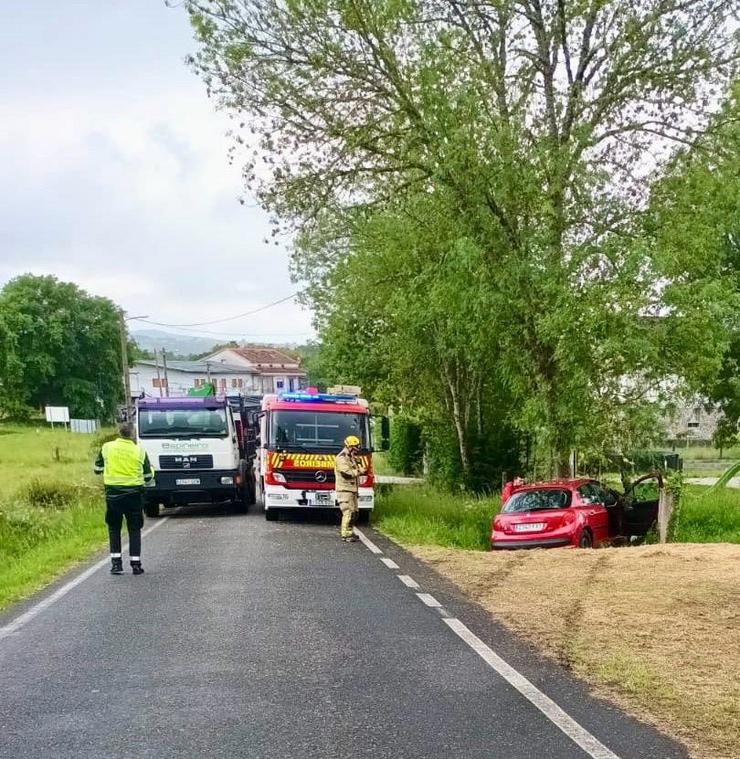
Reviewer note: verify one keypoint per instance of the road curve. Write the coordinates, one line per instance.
(254, 639)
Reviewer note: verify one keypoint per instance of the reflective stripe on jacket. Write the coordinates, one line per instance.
(123, 464)
(346, 472)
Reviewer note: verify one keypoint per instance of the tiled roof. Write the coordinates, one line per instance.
(265, 357)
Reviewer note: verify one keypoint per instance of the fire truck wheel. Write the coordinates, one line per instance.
(271, 515)
(363, 517)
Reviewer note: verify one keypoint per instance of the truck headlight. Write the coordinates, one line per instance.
(278, 477)
(227, 480)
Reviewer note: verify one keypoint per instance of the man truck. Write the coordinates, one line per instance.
(202, 450)
(300, 436)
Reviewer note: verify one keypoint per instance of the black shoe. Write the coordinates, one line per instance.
(351, 539)
(116, 567)
(136, 568)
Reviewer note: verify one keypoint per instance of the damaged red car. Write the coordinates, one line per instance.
(577, 513)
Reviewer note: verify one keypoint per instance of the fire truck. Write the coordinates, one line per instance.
(300, 436)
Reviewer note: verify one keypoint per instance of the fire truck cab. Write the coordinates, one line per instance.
(300, 436)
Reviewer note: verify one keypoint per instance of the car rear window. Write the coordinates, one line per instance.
(538, 500)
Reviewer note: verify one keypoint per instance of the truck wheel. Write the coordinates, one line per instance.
(151, 510)
(363, 517)
(271, 515)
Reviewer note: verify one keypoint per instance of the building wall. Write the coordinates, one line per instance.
(144, 377)
(278, 380)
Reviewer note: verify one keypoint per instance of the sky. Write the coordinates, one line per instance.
(115, 173)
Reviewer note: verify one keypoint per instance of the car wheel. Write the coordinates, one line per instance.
(586, 540)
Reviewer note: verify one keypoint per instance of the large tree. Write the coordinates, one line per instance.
(536, 121)
(59, 346)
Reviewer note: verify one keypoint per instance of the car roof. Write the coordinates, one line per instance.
(564, 484)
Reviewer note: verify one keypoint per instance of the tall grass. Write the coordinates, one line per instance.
(421, 515)
(51, 507)
(709, 516)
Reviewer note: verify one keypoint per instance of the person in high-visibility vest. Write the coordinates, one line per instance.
(125, 468)
(347, 472)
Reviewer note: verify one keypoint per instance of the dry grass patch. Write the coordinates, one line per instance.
(655, 628)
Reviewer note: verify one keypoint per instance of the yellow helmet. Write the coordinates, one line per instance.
(352, 441)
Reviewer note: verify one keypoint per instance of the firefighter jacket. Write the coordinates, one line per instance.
(123, 464)
(347, 470)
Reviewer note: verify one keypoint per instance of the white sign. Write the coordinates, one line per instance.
(57, 414)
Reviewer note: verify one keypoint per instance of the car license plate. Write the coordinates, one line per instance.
(190, 481)
(531, 527)
(322, 499)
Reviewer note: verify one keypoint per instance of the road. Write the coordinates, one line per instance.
(256, 639)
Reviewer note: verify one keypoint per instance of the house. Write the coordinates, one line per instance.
(148, 377)
(270, 370)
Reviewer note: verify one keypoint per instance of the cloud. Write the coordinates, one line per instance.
(127, 191)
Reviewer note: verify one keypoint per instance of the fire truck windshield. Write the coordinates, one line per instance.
(316, 430)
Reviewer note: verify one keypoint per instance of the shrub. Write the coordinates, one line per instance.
(405, 451)
(50, 494)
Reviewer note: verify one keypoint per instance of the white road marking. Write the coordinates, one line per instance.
(578, 734)
(27, 616)
(390, 563)
(408, 581)
(429, 600)
(367, 542)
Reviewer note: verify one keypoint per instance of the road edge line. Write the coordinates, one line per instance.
(20, 621)
(561, 719)
(367, 542)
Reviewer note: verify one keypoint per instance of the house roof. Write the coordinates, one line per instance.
(266, 357)
(199, 367)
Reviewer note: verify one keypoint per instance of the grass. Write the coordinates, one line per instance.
(707, 453)
(421, 515)
(382, 467)
(709, 517)
(653, 628)
(51, 510)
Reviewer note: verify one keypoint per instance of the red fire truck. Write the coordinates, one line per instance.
(300, 436)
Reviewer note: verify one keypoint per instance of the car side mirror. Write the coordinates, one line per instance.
(385, 434)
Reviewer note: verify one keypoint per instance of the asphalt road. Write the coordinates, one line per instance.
(248, 638)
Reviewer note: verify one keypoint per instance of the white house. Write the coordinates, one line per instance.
(149, 379)
(271, 370)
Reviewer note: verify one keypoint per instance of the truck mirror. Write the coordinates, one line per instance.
(385, 433)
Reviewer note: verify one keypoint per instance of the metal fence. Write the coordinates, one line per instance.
(88, 426)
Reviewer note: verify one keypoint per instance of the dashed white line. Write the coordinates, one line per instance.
(429, 600)
(390, 563)
(27, 616)
(367, 542)
(408, 581)
(578, 734)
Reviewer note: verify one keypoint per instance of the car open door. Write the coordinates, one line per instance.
(641, 504)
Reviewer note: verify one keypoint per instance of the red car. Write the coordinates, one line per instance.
(578, 513)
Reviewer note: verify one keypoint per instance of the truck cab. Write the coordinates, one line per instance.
(196, 448)
(301, 434)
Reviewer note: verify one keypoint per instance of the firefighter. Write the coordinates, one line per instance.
(125, 468)
(347, 471)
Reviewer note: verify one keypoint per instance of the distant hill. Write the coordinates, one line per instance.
(177, 345)
(182, 346)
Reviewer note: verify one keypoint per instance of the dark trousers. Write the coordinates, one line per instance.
(128, 503)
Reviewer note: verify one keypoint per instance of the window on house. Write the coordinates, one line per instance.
(241, 382)
(234, 382)
(157, 382)
(279, 384)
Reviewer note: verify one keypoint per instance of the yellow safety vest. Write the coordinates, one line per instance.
(123, 463)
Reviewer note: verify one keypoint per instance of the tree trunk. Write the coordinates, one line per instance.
(457, 418)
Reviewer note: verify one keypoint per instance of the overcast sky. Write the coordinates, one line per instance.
(114, 171)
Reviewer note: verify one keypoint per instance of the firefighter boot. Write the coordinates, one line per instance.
(136, 568)
(116, 567)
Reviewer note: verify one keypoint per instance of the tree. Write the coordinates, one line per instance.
(535, 123)
(58, 346)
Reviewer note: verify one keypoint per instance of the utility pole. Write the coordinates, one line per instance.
(124, 366)
(159, 376)
(166, 380)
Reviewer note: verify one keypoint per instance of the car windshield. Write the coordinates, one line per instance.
(537, 500)
(183, 423)
(316, 430)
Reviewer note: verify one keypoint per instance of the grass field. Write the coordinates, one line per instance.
(51, 512)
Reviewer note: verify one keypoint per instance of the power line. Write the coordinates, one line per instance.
(219, 321)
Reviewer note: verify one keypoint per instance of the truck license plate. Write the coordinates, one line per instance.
(322, 499)
(190, 481)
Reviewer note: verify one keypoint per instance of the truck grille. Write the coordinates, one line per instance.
(307, 475)
(186, 462)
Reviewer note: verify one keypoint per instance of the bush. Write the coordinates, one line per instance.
(51, 494)
(104, 436)
(405, 452)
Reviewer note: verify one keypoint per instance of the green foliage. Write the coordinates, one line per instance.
(58, 346)
(708, 517)
(425, 516)
(405, 452)
(50, 494)
(472, 230)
